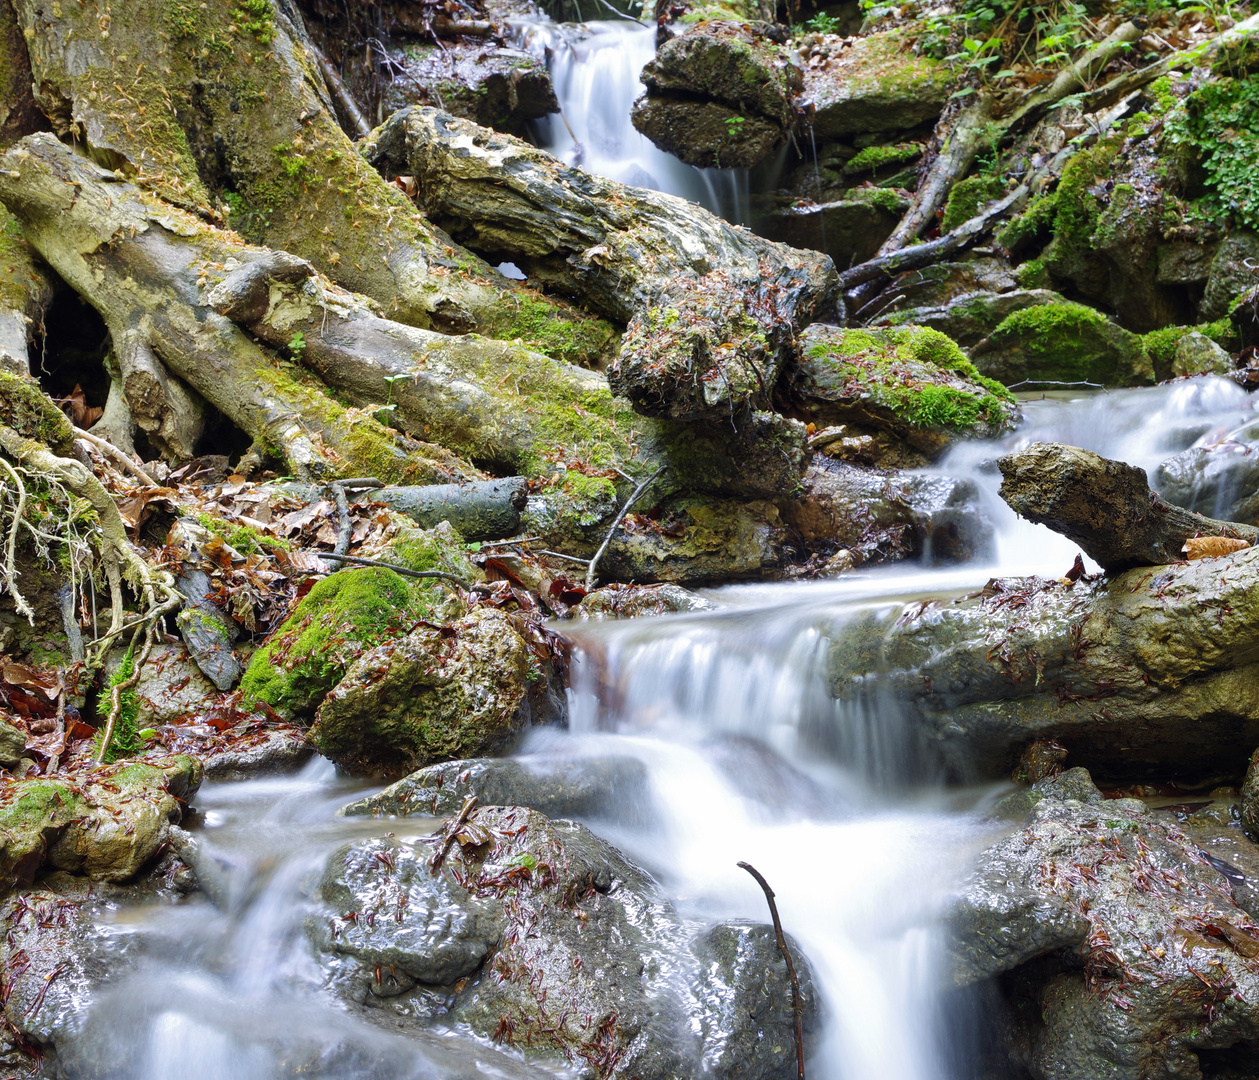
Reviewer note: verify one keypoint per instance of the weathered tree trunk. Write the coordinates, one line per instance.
(140, 264)
(202, 100)
(712, 310)
(1105, 506)
(496, 403)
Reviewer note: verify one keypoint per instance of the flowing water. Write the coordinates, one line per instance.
(749, 759)
(595, 68)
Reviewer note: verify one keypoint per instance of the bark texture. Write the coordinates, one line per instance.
(711, 309)
(198, 99)
(143, 264)
(1105, 506)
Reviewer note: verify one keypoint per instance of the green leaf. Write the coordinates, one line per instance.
(963, 93)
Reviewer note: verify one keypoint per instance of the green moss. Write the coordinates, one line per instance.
(256, 18)
(898, 368)
(339, 618)
(27, 410)
(1035, 221)
(125, 741)
(885, 199)
(1161, 344)
(244, 539)
(1032, 274)
(968, 197)
(1068, 342)
(579, 339)
(874, 158)
(1078, 208)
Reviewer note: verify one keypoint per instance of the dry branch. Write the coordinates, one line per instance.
(1105, 506)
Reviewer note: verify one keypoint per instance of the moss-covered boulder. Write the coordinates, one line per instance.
(721, 94)
(106, 825)
(1063, 342)
(451, 691)
(348, 613)
(875, 84)
(913, 382)
(970, 318)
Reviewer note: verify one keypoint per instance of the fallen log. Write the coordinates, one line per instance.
(141, 264)
(196, 97)
(711, 309)
(1105, 506)
(481, 510)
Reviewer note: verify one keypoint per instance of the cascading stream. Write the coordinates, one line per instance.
(595, 68)
(749, 758)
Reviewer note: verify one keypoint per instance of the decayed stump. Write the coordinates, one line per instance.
(1105, 506)
(711, 309)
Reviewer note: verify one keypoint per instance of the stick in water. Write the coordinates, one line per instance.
(797, 1006)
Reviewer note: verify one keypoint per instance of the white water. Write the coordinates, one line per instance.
(749, 759)
(595, 68)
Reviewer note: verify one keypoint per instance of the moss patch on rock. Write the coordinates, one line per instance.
(911, 380)
(1064, 342)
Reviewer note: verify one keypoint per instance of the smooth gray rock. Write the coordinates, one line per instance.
(12, 743)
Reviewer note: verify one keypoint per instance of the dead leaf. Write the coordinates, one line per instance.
(1209, 547)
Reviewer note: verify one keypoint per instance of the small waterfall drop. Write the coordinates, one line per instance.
(595, 68)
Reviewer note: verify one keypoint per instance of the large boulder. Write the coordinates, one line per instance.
(558, 787)
(106, 825)
(874, 84)
(971, 317)
(1153, 669)
(721, 94)
(443, 691)
(881, 514)
(912, 382)
(1127, 950)
(1062, 342)
(540, 936)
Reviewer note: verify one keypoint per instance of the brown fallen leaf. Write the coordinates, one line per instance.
(1208, 547)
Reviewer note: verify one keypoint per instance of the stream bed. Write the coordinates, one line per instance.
(748, 758)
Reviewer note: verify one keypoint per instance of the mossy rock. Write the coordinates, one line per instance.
(462, 690)
(1063, 342)
(910, 380)
(1173, 353)
(877, 85)
(345, 615)
(27, 410)
(971, 318)
(107, 826)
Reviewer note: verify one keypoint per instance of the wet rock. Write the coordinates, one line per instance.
(1141, 939)
(268, 753)
(501, 88)
(973, 316)
(1230, 276)
(539, 934)
(1197, 354)
(912, 382)
(1115, 670)
(582, 787)
(1062, 342)
(171, 687)
(881, 514)
(106, 826)
(721, 95)
(12, 743)
(939, 285)
(696, 540)
(442, 692)
(1250, 799)
(1219, 480)
(636, 601)
(1184, 262)
(875, 84)
(1244, 315)
(349, 612)
(1074, 784)
(849, 230)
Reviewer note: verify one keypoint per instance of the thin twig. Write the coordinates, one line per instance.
(118, 689)
(1052, 382)
(345, 527)
(594, 562)
(469, 804)
(561, 555)
(111, 451)
(797, 1003)
(405, 571)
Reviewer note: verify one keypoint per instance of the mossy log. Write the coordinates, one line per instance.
(711, 309)
(1105, 506)
(141, 264)
(220, 100)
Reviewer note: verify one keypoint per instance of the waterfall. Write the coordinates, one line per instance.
(595, 68)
